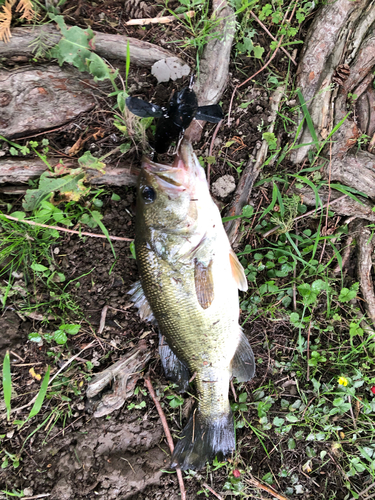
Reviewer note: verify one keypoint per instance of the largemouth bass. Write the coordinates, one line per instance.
(189, 281)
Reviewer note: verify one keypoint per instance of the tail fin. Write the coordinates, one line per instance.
(202, 440)
(243, 363)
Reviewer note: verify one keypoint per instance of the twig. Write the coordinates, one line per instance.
(43, 495)
(263, 487)
(159, 20)
(271, 35)
(211, 148)
(346, 254)
(363, 492)
(64, 230)
(233, 391)
(166, 432)
(102, 319)
(205, 485)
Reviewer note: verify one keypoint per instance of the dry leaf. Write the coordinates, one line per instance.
(27, 9)
(5, 19)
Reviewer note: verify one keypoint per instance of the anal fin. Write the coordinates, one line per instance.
(243, 362)
(175, 370)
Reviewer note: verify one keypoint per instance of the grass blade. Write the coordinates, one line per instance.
(7, 383)
(307, 116)
(127, 66)
(40, 397)
(104, 229)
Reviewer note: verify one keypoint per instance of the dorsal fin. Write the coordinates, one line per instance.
(204, 283)
(238, 272)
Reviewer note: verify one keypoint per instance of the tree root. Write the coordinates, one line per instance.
(20, 46)
(214, 66)
(365, 245)
(345, 206)
(250, 173)
(125, 374)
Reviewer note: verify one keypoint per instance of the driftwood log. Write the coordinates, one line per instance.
(20, 47)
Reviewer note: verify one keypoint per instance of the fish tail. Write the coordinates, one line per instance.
(202, 439)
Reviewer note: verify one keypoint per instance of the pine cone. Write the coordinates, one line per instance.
(136, 9)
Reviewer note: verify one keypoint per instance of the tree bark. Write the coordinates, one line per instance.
(142, 53)
(41, 98)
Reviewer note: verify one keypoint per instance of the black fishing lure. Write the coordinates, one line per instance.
(175, 119)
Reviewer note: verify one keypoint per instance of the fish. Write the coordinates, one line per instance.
(176, 117)
(189, 282)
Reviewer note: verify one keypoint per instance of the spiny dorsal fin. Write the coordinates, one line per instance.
(204, 283)
(238, 272)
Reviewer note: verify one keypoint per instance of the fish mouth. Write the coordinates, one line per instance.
(182, 175)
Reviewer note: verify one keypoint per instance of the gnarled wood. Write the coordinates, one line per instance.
(37, 99)
(346, 206)
(365, 242)
(108, 46)
(20, 171)
(214, 66)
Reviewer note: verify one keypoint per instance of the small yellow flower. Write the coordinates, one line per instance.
(343, 381)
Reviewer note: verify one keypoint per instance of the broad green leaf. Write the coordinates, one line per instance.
(71, 329)
(60, 337)
(34, 337)
(38, 267)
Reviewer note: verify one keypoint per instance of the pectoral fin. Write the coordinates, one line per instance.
(238, 272)
(140, 302)
(204, 283)
(174, 369)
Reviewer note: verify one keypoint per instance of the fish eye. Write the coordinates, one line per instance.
(148, 194)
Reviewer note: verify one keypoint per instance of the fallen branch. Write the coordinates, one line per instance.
(64, 230)
(166, 432)
(159, 20)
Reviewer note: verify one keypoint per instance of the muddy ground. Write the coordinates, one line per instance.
(125, 455)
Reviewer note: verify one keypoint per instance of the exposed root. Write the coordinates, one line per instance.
(250, 173)
(125, 374)
(364, 265)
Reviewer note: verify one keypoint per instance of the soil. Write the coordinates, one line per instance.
(124, 455)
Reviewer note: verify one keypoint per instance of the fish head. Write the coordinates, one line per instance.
(168, 195)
